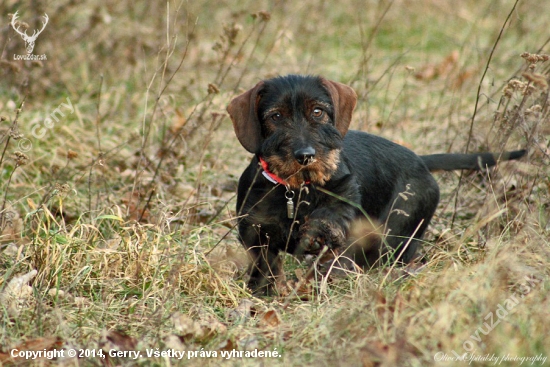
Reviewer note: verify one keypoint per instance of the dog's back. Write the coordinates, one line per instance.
(383, 169)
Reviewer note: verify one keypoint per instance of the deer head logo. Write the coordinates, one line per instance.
(29, 40)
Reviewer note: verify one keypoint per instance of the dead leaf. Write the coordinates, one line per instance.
(270, 319)
(82, 302)
(57, 293)
(442, 69)
(12, 225)
(201, 331)
(186, 326)
(386, 308)
(179, 121)
(242, 312)
(17, 293)
(250, 343)
(31, 204)
(384, 355)
(11, 250)
(133, 200)
(33, 345)
(226, 344)
(211, 328)
(462, 77)
(302, 289)
(174, 342)
(118, 340)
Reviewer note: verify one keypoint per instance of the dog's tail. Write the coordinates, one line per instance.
(476, 161)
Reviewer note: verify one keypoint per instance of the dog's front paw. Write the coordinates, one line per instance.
(316, 234)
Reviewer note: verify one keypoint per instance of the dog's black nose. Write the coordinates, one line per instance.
(304, 156)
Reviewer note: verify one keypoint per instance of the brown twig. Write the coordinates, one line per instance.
(478, 95)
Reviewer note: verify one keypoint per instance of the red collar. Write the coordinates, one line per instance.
(271, 176)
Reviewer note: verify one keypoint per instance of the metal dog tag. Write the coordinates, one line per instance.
(289, 195)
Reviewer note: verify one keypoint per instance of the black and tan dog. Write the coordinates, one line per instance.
(311, 178)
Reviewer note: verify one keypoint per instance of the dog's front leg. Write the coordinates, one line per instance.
(329, 223)
(264, 269)
(327, 226)
(266, 264)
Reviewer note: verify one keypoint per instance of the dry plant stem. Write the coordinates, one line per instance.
(540, 50)
(174, 139)
(232, 63)
(6, 198)
(220, 210)
(478, 94)
(295, 222)
(5, 44)
(223, 237)
(207, 140)
(220, 78)
(207, 97)
(394, 263)
(98, 117)
(88, 174)
(506, 135)
(305, 278)
(450, 79)
(146, 127)
(395, 62)
(89, 181)
(241, 216)
(247, 64)
(161, 92)
(366, 46)
(12, 128)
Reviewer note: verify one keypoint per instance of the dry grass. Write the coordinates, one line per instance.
(116, 209)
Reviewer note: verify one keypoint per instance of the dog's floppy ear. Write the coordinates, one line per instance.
(243, 111)
(344, 100)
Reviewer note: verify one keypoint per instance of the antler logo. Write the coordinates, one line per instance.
(29, 40)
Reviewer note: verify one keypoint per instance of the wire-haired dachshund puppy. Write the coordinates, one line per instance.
(311, 178)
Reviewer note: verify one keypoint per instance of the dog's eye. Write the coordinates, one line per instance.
(317, 112)
(276, 116)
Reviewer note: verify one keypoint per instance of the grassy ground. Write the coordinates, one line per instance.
(119, 167)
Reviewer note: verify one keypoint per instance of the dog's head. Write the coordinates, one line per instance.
(296, 124)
